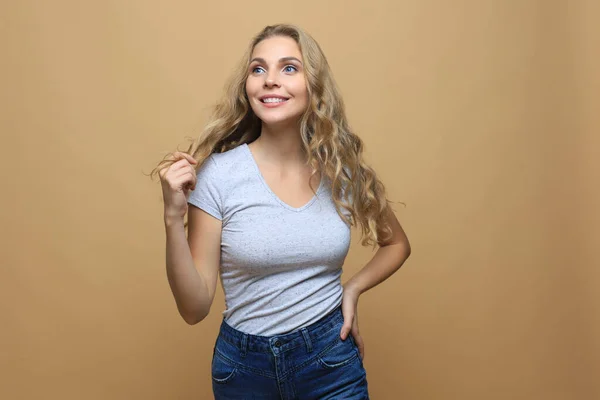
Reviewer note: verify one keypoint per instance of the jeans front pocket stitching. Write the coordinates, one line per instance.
(322, 354)
(337, 365)
(228, 377)
(243, 367)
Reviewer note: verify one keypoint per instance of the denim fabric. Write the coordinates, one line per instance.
(310, 363)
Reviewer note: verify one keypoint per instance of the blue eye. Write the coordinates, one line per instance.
(290, 66)
(254, 70)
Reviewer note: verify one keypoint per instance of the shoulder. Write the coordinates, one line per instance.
(225, 169)
(222, 163)
(230, 158)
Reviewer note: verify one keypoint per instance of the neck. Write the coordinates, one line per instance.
(282, 146)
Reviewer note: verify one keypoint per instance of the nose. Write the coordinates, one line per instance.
(271, 80)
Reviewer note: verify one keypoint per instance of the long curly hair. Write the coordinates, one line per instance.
(329, 143)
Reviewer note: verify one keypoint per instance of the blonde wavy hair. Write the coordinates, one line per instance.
(332, 148)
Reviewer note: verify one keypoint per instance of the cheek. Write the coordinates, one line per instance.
(252, 91)
(249, 87)
(305, 97)
(300, 91)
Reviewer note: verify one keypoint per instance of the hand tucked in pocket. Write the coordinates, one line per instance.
(350, 313)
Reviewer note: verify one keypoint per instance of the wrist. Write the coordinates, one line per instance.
(173, 221)
(352, 288)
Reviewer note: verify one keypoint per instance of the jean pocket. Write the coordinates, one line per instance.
(339, 353)
(222, 370)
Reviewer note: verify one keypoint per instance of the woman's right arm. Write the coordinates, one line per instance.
(193, 262)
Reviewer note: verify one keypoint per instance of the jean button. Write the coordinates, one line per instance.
(277, 343)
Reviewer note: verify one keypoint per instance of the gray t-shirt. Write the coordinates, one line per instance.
(280, 265)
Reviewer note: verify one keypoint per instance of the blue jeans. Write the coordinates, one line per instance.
(310, 363)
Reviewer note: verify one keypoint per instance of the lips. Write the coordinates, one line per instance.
(273, 99)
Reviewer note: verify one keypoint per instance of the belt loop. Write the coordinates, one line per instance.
(244, 345)
(306, 339)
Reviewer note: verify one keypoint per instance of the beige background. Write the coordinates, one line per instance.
(480, 115)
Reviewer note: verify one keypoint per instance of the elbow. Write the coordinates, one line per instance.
(407, 249)
(192, 318)
(401, 249)
(404, 251)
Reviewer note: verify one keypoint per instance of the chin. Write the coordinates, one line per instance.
(279, 123)
(279, 120)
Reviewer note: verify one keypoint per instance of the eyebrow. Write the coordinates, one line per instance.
(281, 60)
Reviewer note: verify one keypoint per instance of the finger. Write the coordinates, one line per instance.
(193, 179)
(361, 347)
(181, 182)
(359, 343)
(345, 331)
(162, 173)
(183, 163)
(183, 171)
(347, 326)
(167, 172)
(193, 171)
(348, 310)
(181, 155)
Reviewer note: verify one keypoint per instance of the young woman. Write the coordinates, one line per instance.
(275, 183)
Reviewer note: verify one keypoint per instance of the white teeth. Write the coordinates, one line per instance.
(273, 100)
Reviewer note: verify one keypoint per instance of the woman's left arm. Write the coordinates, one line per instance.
(388, 259)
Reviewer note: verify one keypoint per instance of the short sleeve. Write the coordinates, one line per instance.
(207, 194)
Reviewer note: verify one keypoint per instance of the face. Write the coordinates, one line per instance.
(276, 86)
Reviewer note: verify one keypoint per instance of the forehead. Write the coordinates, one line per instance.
(277, 47)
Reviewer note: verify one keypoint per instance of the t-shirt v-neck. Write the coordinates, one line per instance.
(254, 164)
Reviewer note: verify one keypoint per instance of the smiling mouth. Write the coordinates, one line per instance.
(273, 100)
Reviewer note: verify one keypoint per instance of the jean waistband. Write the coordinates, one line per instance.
(284, 342)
